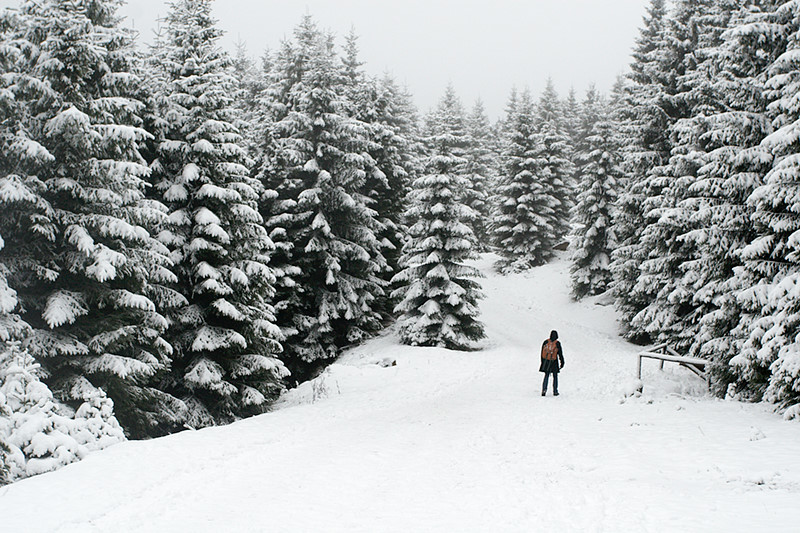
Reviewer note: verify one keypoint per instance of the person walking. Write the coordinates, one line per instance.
(552, 361)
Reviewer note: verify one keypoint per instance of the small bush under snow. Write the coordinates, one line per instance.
(38, 433)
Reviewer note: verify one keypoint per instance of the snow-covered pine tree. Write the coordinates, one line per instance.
(481, 171)
(22, 205)
(582, 119)
(326, 231)
(251, 82)
(502, 137)
(262, 112)
(770, 357)
(734, 166)
(522, 226)
(395, 142)
(573, 120)
(41, 435)
(252, 102)
(645, 145)
(379, 103)
(438, 298)
(646, 263)
(448, 121)
(27, 215)
(556, 170)
(94, 293)
(505, 122)
(354, 77)
(396, 138)
(283, 219)
(671, 274)
(226, 340)
(599, 175)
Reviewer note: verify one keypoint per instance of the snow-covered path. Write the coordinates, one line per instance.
(450, 441)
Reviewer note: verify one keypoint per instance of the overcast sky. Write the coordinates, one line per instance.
(482, 47)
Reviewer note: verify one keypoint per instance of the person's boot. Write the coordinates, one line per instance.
(544, 392)
(555, 393)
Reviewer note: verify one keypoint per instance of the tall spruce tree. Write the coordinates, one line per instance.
(394, 134)
(278, 206)
(327, 232)
(770, 357)
(572, 118)
(734, 166)
(438, 298)
(251, 82)
(523, 222)
(504, 124)
(645, 145)
(583, 120)
(95, 279)
(481, 169)
(395, 137)
(27, 215)
(225, 339)
(671, 275)
(649, 261)
(379, 103)
(448, 121)
(599, 176)
(556, 170)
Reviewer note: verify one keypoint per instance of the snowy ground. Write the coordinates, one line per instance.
(449, 441)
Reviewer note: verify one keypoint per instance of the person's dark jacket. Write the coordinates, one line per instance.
(552, 365)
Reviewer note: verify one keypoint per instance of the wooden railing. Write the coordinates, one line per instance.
(664, 353)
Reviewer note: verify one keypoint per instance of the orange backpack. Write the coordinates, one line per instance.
(550, 350)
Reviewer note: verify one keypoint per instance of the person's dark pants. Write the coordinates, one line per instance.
(547, 379)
